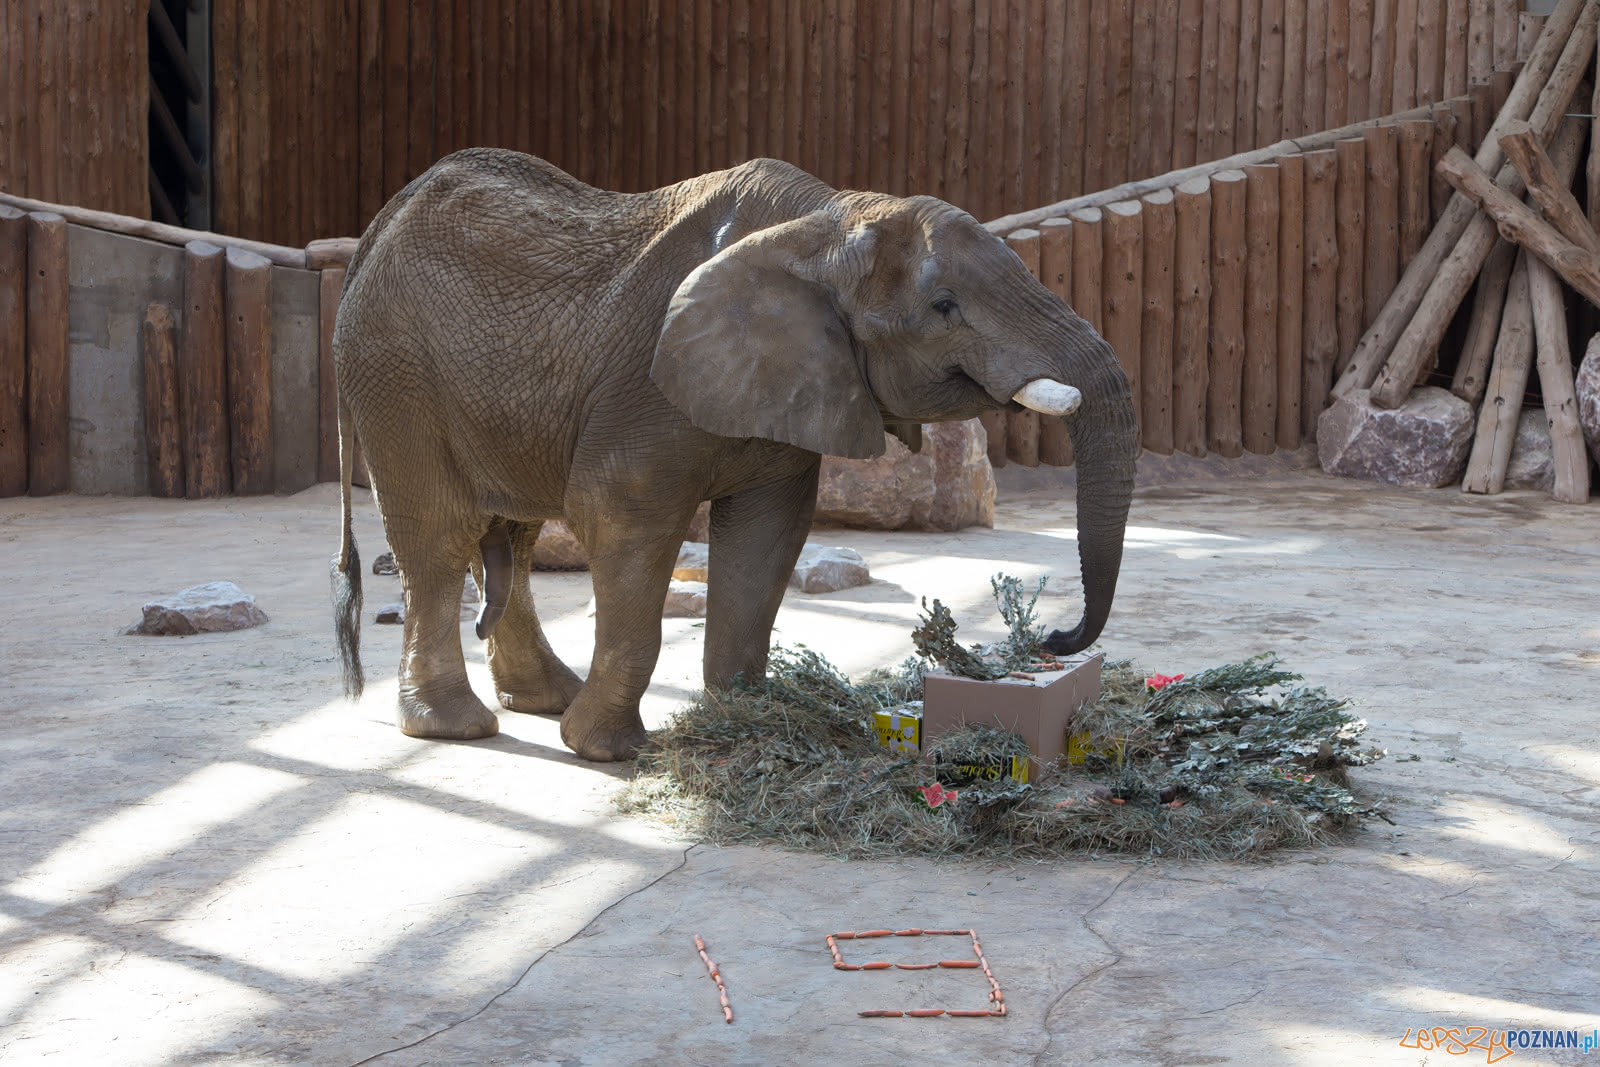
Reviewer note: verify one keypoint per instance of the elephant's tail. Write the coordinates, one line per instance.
(345, 575)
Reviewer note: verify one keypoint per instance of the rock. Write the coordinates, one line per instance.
(1424, 442)
(685, 600)
(1588, 386)
(949, 485)
(694, 562)
(1532, 461)
(826, 570)
(392, 614)
(214, 607)
(385, 564)
(963, 480)
(558, 550)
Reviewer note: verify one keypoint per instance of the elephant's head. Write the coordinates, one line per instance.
(813, 331)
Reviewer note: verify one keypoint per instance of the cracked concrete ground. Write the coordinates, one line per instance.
(206, 856)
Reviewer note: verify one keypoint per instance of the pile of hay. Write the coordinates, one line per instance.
(1253, 764)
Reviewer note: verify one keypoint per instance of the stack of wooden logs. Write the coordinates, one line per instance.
(1517, 254)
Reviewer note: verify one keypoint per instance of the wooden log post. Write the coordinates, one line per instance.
(1258, 388)
(1407, 23)
(1350, 225)
(13, 349)
(1291, 294)
(1456, 29)
(1480, 41)
(1055, 268)
(1229, 229)
(1191, 324)
(1547, 185)
(1483, 325)
(1314, 113)
(1320, 313)
(203, 375)
(1529, 26)
(1444, 136)
(1416, 182)
(1293, 71)
(248, 298)
(331, 286)
(1430, 51)
(1519, 223)
(1381, 50)
(1155, 328)
(1554, 361)
(1497, 418)
(1022, 427)
(1381, 270)
(163, 434)
(1122, 288)
(1505, 33)
(1545, 85)
(49, 457)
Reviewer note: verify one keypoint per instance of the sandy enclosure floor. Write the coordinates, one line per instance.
(207, 856)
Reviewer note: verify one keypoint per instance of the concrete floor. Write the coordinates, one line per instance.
(206, 856)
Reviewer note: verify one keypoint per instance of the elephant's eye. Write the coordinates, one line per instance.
(944, 306)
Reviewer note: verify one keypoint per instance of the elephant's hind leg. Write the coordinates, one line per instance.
(528, 675)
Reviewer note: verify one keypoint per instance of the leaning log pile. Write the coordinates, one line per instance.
(1514, 236)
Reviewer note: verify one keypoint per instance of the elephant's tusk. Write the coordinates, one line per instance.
(1049, 397)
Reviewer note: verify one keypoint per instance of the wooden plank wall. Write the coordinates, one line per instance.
(74, 101)
(324, 110)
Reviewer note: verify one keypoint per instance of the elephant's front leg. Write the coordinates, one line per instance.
(631, 555)
(756, 537)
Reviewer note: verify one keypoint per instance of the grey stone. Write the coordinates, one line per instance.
(385, 564)
(1588, 386)
(214, 607)
(685, 600)
(963, 480)
(822, 569)
(1422, 443)
(694, 562)
(948, 485)
(392, 614)
(558, 550)
(1532, 461)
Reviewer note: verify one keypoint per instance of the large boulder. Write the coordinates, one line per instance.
(685, 600)
(214, 607)
(1589, 397)
(1533, 464)
(822, 569)
(1424, 442)
(558, 550)
(948, 485)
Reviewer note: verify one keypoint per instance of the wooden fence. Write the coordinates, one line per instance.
(1234, 292)
(74, 99)
(324, 110)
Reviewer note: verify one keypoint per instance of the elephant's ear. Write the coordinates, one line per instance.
(753, 344)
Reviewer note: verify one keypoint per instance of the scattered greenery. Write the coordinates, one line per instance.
(935, 637)
(1231, 763)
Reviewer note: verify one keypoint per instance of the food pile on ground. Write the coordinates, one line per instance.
(1230, 763)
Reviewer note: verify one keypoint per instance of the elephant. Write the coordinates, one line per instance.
(514, 346)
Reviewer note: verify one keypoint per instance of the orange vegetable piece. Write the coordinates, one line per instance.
(925, 1013)
(958, 963)
(880, 1013)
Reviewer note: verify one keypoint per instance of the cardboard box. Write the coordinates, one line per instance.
(900, 729)
(1039, 709)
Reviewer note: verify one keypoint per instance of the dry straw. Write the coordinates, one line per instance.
(1253, 764)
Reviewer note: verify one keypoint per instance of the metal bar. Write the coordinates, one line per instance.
(175, 140)
(167, 34)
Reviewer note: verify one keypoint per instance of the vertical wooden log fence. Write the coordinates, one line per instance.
(1415, 181)
(1320, 330)
(1055, 269)
(1022, 427)
(1554, 361)
(1351, 229)
(13, 351)
(1122, 288)
(49, 459)
(1191, 327)
(163, 433)
(1258, 395)
(1224, 430)
(1382, 214)
(1155, 328)
(203, 378)
(248, 297)
(1291, 294)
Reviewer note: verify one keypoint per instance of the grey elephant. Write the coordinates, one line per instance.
(515, 346)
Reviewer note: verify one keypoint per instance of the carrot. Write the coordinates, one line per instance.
(925, 1013)
(716, 976)
(962, 1013)
(847, 935)
(916, 966)
(912, 932)
(958, 963)
(947, 931)
(874, 933)
(880, 965)
(880, 1013)
(841, 965)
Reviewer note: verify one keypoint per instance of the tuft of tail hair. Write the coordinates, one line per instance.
(345, 575)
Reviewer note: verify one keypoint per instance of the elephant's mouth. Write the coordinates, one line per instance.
(954, 398)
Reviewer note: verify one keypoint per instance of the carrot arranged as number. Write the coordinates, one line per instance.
(874, 933)
(912, 932)
(716, 976)
(916, 966)
(959, 963)
(880, 965)
(925, 1013)
(880, 1013)
(947, 931)
(846, 936)
(963, 1013)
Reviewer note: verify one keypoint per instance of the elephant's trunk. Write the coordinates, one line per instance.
(1105, 447)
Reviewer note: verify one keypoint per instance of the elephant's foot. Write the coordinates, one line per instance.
(538, 696)
(603, 738)
(451, 712)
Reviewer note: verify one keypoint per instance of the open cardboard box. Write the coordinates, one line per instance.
(1039, 709)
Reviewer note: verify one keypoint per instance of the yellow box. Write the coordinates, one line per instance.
(960, 774)
(900, 729)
